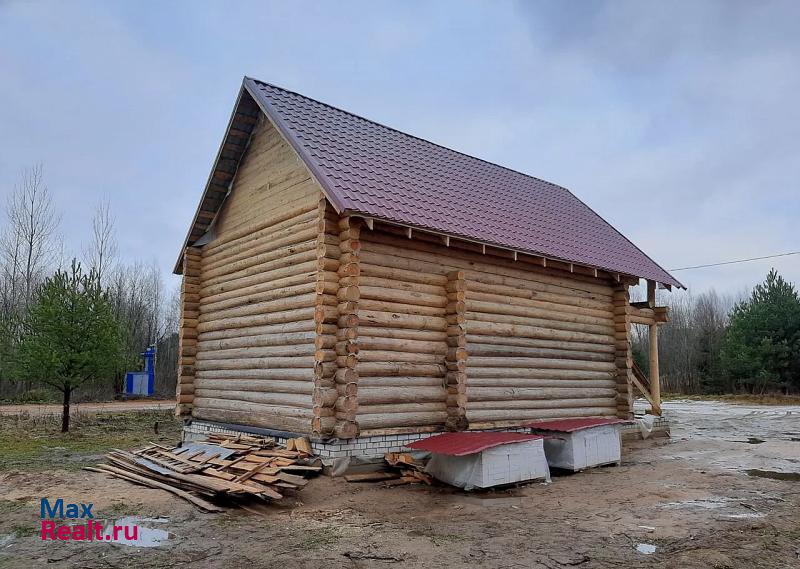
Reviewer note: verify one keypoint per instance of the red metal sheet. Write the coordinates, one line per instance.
(460, 444)
(571, 425)
(377, 171)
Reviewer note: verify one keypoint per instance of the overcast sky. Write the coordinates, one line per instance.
(678, 122)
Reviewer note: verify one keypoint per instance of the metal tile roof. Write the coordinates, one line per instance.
(464, 443)
(572, 425)
(370, 169)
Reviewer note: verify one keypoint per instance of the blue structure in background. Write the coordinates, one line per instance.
(143, 382)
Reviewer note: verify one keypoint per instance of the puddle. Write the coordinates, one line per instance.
(707, 504)
(748, 516)
(774, 474)
(145, 536)
(646, 548)
(6, 539)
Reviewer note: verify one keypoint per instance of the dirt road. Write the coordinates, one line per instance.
(724, 492)
(107, 407)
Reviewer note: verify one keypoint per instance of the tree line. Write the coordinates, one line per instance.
(55, 305)
(721, 344)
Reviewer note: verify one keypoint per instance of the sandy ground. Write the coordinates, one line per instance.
(106, 407)
(724, 492)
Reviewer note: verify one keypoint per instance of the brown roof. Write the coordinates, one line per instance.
(376, 171)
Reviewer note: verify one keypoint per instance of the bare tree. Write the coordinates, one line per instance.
(101, 252)
(29, 242)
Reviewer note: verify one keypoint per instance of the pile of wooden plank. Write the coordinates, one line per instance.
(401, 468)
(219, 471)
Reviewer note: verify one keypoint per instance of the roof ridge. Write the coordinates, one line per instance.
(404, 133)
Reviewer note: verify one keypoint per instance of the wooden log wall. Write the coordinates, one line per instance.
(187, 334)
(325, 317)
(402, 338)
(540, 343)
(347, 319)
(264, 276)
(623, 354)
(456, 358)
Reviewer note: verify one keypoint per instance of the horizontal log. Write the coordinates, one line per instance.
(531, 290)
(257, 363)
(274, 305)
(529, 404)
(243, 285)
(539, 343)
(495, 350)
(303, 244)
(283, 317)
(606, 331)
(266, 296)
(423, 336)
(370, 342)
(435, 290)
(245, 414)
(393, 307)
(399, 381)
(261, 340)
(267, 285)
(538, 332)
(294, 400)
(400, 275)
(484, 418)
(496, 304)
(540, 363)
(366, 355)
(400, 408)
(390, 395)
(244, 236)
(384, 369)
(264, 410)
(297, 232)
(270, 373)
(276, 265)
(404, 420)
(381, 248)
(304, 386)
(510, 394)
(400, 296)
(267, 331)
(393, 319)
(524, 382)
(306, 349)
(475, 372)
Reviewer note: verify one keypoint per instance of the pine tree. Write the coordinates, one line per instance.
(761, 348)
(70, 337)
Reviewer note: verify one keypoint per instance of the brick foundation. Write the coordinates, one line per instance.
(368, 448)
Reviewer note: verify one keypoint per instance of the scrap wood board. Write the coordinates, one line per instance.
(230, 470)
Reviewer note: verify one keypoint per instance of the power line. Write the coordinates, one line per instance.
(737, 261)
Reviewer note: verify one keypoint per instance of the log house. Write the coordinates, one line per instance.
(347, 281)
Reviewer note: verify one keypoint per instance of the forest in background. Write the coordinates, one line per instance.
(712, 343)
(719, 344)
(32, 250)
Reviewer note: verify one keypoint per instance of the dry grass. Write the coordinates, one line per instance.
(35, 442)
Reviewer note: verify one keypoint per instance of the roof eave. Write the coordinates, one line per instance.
(178, 268)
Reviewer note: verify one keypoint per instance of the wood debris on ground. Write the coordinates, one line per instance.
(401, 468)
(225, 470)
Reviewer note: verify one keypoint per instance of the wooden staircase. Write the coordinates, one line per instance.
(642, 384)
